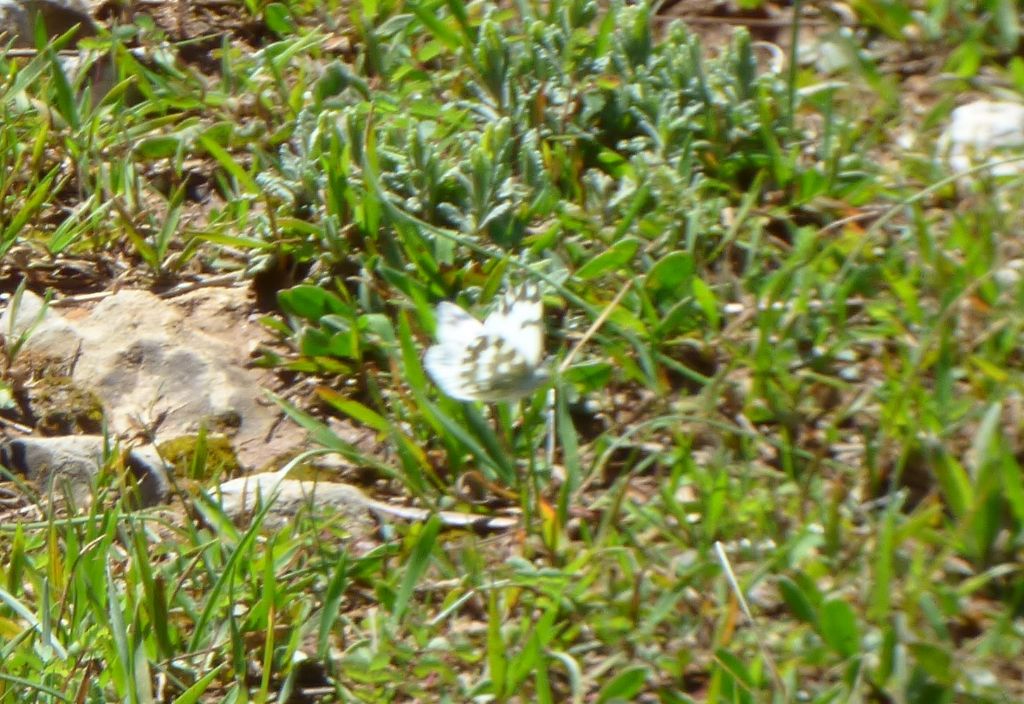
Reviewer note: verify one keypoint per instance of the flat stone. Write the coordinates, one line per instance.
(241, 498)
(166, 367)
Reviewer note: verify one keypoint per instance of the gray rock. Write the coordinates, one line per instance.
(76, 460)
(18, 20)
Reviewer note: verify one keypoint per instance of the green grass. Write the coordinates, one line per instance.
(813, 381)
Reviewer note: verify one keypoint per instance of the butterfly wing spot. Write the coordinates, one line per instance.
(494, 370)
(518, 318)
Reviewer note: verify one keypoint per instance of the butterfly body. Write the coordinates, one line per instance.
(493, 361)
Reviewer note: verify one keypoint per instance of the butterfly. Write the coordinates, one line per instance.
(496, 360)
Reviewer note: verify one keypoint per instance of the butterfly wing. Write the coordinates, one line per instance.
(456, 327)
(497, 371)
(446, 361)
(518, 320)
(494, 361)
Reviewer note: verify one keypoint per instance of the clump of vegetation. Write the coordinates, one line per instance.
(786, 463)
(61, 407)
(200, 457)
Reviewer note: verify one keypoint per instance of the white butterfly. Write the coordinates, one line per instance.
(497, 360)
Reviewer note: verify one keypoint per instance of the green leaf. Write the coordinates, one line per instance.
(838, 627)
(412, 370)
(797, 601)
(569, 442)
(985, 445)
(591, 376)
(735, 667)
(73, 229)
(716, 504)
(617, 256)
(144, 248)
(415, 568)
(625, 686)
(194, 694)
(707, 301)
(354, 410)
(278, 19)
(311, 303)
(317, 343)
(497, 657)
(242, 553)
(430, 20)
(233, 241)
(885, 547)
(521, 664)
(934, 660)
(322, 435)
(615, 164)
(1013, 486)
(955, 484)
(331, 611)
(229, 164)
(157, 147)
(671, 276)
(1016, 71)
(495, 454)
(121, 664)
(1007, 25)
(161, 616)
(65, 96)
(39, 195)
